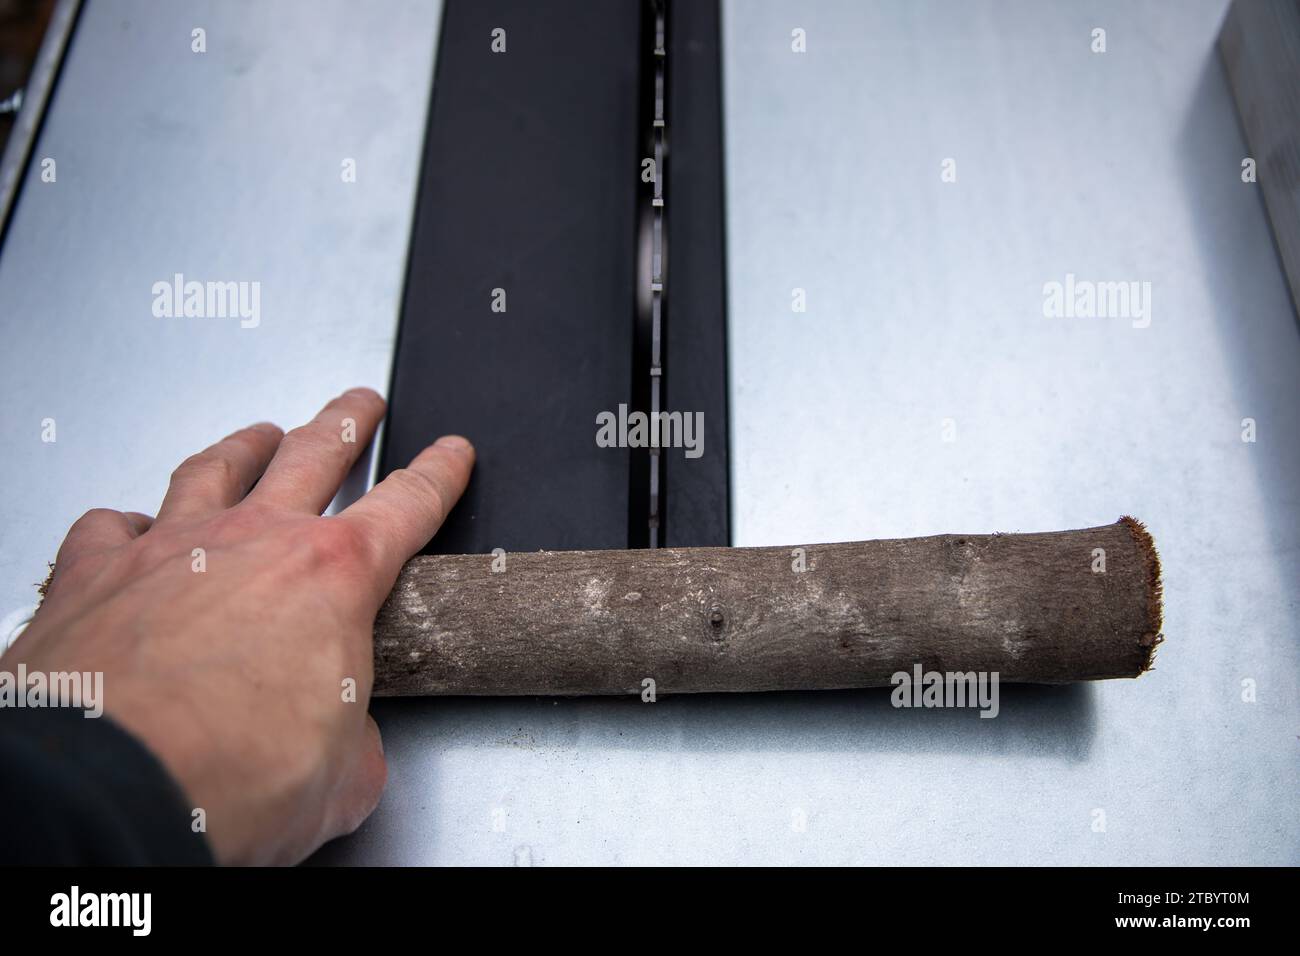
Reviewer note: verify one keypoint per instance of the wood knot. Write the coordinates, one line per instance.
(717, 618)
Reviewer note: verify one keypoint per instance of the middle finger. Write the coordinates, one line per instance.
(313, 459)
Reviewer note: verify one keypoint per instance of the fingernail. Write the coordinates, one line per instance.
(453, 441)
(364, 391)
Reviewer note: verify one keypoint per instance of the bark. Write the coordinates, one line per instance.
(1030, 607)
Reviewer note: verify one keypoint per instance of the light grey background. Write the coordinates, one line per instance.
(223, 166)
(924, 303)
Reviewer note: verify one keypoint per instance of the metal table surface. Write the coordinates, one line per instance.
(924, 303)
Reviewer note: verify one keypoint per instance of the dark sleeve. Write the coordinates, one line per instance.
(83, 791)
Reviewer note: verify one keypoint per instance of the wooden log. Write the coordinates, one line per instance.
(1031, 607)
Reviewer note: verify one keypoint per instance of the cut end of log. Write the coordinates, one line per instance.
(1153, 637)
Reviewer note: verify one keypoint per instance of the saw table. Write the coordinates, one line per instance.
(861, 205)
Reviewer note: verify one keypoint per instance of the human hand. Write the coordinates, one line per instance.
(232, 663)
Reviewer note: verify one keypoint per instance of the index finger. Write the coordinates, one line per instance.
(406, 509)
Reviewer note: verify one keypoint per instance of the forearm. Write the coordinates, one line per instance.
(83, 791)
